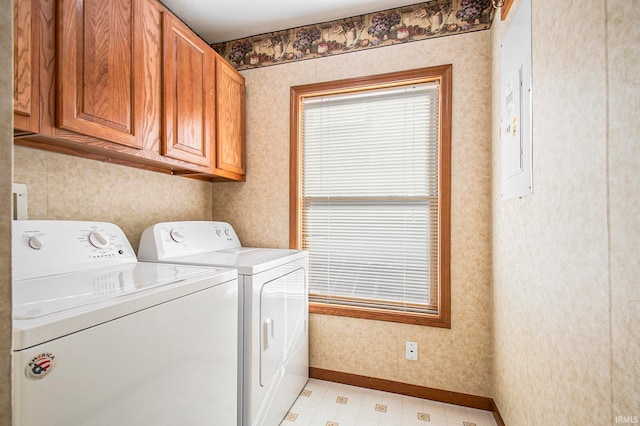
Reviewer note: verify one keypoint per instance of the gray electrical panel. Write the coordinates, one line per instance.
(515, 100)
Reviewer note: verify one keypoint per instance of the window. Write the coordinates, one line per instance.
(370, 194)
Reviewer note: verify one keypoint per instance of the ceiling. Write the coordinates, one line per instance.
(224, 20)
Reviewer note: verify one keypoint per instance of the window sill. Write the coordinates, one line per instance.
(442, 321)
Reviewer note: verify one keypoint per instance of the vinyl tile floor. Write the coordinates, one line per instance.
(324, 403)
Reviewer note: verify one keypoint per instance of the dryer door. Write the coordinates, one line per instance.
(283, 307)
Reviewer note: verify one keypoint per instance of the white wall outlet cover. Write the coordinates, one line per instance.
(411, 351)
(19, 206)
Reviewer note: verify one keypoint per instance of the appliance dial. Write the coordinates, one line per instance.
(219, 232)
(35, 242)
(177, 236)
(98, 239)
(227, 232)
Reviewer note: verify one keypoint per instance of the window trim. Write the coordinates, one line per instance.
(443, 74)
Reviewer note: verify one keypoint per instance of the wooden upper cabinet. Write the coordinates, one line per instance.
(188, 94)
(230, 113)
(125, 81)
(96, 84)
(26, 52)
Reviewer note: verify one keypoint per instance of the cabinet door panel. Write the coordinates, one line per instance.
(149, 73)
(188, 101)
(230, 110)
(25, 65)
(96, 61)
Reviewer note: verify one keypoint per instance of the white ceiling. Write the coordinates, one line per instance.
(223, 20)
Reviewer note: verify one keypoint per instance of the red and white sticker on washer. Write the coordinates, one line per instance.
(40, 366)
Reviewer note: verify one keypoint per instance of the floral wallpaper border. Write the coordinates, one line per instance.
(434, 18)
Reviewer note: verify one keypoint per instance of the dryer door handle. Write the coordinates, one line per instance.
(268, 332)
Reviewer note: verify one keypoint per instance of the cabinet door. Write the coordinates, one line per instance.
(96, 85)
(188, 94)
(230, 112)
(26, 91)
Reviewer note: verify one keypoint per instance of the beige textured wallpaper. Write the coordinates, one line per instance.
(624, 184)
(458, 359)
(6, 132)
(565, 286)
(71, 188)
(511, 310)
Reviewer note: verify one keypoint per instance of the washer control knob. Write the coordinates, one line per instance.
(177, 236)
(98, 239)
(219, 232)
(227, 232)
(35, 242)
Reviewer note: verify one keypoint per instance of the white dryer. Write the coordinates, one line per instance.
(275, 309)
(100, 339)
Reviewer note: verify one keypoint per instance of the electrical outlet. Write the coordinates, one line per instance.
(19, 208)
(412, 350)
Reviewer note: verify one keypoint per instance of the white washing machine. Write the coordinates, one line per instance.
(275, 309)
(101, 340)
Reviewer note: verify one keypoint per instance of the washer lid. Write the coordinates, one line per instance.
(247, 260)
(38, 297)
(49, 307)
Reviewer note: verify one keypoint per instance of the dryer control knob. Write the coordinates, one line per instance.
(35, 242)
(98, 239)
(177, 236)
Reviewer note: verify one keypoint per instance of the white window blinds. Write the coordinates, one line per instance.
(370, 197)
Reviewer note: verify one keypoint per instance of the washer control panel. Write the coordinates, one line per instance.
(43, 247)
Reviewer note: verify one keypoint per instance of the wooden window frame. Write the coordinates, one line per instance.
(442, 74)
